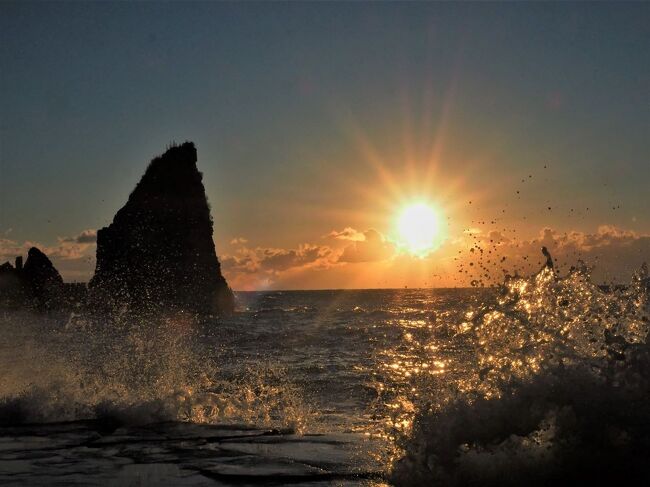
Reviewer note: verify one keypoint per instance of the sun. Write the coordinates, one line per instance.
(418, 228)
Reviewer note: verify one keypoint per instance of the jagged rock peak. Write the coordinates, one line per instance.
(37, 284)
(39, 269)
(159, 252)
(163, 173)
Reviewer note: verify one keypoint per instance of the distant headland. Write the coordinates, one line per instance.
(157, 254)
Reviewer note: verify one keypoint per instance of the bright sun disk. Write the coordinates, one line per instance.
(418, 227)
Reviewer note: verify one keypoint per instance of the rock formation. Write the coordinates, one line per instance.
(37, 284)
(13, 288)
(45, 282)
(158, 253)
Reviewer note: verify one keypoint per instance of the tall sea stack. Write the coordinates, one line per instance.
(158, 254)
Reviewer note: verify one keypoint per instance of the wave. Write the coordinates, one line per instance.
(135, 373)
(558, 394)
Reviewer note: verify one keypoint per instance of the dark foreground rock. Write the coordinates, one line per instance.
(158, 253)
(182, 454)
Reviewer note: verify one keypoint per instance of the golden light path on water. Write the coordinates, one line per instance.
(406, 373)
(427, 362)
(514, 332)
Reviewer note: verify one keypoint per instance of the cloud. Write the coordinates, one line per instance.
(262, 267)
(244, 261)
(74, 257)
(306, 254)
(614, 253)
(238, 241)
(79, 246)
(65, 251)
(347, 233)
(606, 235)
(374, 247)
(85, 237)
(251, 268)
(353, 258)
(10, 249)
(367, 259)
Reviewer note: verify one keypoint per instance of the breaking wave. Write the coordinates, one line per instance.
(133, 373)
(545, 381)
(558, 393)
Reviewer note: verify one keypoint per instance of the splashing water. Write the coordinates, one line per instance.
(545, 379)
(558, 393)
(134, 373)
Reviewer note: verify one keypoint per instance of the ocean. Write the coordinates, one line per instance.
(367, 387)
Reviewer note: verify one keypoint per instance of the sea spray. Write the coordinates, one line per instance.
(559, 391)
(134, 371)
(401, 365)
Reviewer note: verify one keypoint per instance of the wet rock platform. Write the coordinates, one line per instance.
(83, 453)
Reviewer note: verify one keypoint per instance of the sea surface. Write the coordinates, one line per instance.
(367, 387)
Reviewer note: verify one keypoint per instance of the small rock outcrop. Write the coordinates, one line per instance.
(13, 288)
(158, 253)
(45, 282)
(36, 285)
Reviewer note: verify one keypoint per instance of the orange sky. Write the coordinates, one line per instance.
(317, 123)
(344, 235)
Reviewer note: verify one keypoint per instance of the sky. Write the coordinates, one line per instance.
(316, 124)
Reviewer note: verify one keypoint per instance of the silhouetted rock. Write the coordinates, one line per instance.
(37, 284)
(158, 253)
(12, 287)
(44, 280)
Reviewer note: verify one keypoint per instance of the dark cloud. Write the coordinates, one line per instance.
(280, 260)
(272, 260)
(85, 237)
(245, 261)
